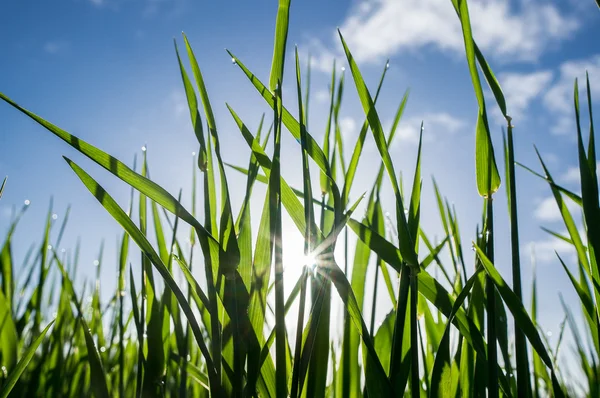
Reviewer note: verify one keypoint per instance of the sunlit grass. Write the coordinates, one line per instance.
(232, 332)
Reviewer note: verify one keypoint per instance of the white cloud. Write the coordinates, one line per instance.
(559, 97)
(544, 250)
(176, 103)
(508, 31)
(434, 124)
(571, 175)
(55, 47)
(322, 96)
(98, 3)
(548, 210)
(520, 89)
(347, 126)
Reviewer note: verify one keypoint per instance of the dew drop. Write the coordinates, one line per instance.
(4, 372)
(122, 293)
(193, 153)
(406, 211)
(343, 68)
(63, 250)
(549, 333)
(233, 61)
(387, 65)
(189, 357)
(54, 314)
(96, 263)
(480, 236)
(27, 202)
(102, 349)
(49, 247)
(54, 216)
(144, 148)
(424, 386)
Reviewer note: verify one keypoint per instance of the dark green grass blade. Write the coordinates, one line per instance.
(520, 314)
(292, 125)
(113, 208)
(119, 169)
(2, 186)
(441, 375)
(16, 373)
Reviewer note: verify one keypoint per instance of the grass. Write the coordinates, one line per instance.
(218, 336)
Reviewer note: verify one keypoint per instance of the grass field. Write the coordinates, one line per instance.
(226, 331)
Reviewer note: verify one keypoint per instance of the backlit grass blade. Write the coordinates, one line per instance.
(119, 215)
(16, 373)
(308, 235)
(281, 32)
(407, 243)
(358, 147)
(194, 114)
(488, 178)
(292, 125)
(324, 180)
(9, 339)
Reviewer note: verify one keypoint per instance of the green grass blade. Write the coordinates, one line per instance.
(441, 374)
(281, 32)
(520, 314)
(119, 215)
(16, 373)
(2, 186)
(407, 243)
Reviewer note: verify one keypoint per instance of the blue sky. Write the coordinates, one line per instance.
(105, 70)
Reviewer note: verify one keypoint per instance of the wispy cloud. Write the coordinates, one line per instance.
(545, 250)
(559, 97)
(509, 31)
(56, 46)
(547, 209)
(434, 125)
(98, 3)
(168, 8)
(520, 89)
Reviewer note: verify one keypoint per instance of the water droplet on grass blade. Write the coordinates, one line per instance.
(387, 65)
(343, 68)
(4, 372)
(27, 202)
(96, 263)
(144, 148)
(102, 349)
(49, 247)
(54, 216)
(233, 61)
(549, 333)
(193, 153)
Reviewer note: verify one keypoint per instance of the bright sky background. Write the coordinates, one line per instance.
(105, 70)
